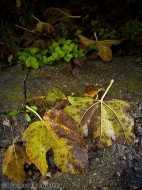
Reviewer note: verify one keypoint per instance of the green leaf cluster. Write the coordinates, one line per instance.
(132, 29)
(63, 49)
(102, 31)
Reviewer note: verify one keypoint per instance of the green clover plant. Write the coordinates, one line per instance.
(63, 49)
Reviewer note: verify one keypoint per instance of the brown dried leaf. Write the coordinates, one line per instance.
(105, 53)
(36, 100)
(92, 91)
(86, 41)
(103, 47)
(18, 3)
(13, 163)
(53, 15)
(41, 44)
(109, 43)
(109, 121)
(59, 132)
(45, 28)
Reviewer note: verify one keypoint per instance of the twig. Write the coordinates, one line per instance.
(36, 18)
(26, 29)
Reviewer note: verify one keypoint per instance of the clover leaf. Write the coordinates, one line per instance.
(61, 54)
(67, 48)
(32, 62)
(57, 48)
(68, 42)
(68, 57)
(33, 50)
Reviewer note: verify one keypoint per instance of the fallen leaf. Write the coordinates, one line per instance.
(77, 108)
(36, 100)
(54, 14)
(110, 121)
(45, 28)
(59, 132)
(103, 121)
(13, 163)
(92, 91)
(55, 94)
(6, 122)
(40, 44)
(105, 53)
(18, 3)
(86, 41)
(103, 47)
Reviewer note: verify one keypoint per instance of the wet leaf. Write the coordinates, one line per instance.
(55, 94)
(36, 100)
(109, 121)
(103, 47)
(103, 121)
(92, 91)
(13, 163)
(78, 106)
(59, 132)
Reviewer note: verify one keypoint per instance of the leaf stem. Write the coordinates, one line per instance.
(111, 82)
(65, 13)
(26, 29)
(36, 18)
(34, 112)
(96, 36)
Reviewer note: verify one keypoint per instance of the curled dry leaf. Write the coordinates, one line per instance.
(86, 41)
(59, 132)
(13, 163)
(45, 28)
(92, 91)
(105, 53)
(55, 97)
(18, 3)
(103, 47)
(53, 15)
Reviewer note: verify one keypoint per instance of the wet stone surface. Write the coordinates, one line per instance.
(12, 88)
(116, 168)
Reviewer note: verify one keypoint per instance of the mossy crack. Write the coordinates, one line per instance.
(25, 85)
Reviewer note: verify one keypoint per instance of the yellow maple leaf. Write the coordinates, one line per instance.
(59, 132)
